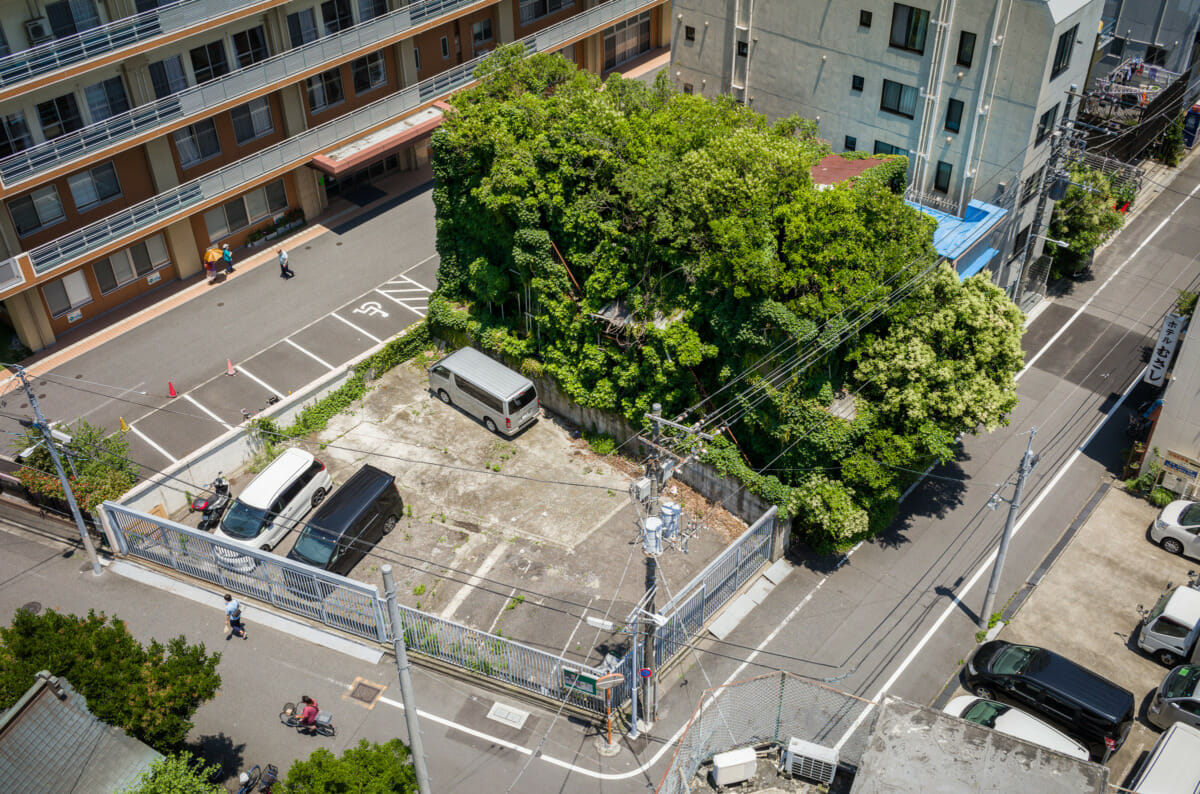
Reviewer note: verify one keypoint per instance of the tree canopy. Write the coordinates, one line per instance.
(96, 463)
(178, 774)
(368, 768)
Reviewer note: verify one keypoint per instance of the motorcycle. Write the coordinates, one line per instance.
(290, 716)
(212, 507)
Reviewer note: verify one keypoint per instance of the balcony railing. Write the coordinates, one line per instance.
(280, 68)
(238, 177)
(69, 50)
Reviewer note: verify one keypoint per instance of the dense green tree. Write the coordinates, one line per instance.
(178, 774)
(1084, 219)
(151, 692)
(368, 768)
(96, 463)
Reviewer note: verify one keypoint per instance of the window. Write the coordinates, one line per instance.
(69, 17)
(1170, 628)
(856, 82)
(743, 49)
(106, 98)
(954, 110)
(688, 88)
(536, 9)
(209, 61)
(1117, 48)
(251, 120)
(325, 89)
(368, 72)
(1019, 243)
(909, 26)
(1046, 125)
(626, 40)
(966, 49)
(1155, 56)
(69, 292)
(336, 15)
(369, 9)
(850, 144)
(417, 58)
(302, 27)
(149, 5)
(242, 211)
(1062, 54)
(1029, 188)
(14, 134)
(4, 48)
(887, 148)
(445, 47)
(899, 99)
(59, 116)
(96, 185)
(36, 210)
(941, 177)
(197, 142)
(481, 31)
(131, 263)
(864, 19)
(167, 76)
(689, 33)
(250, 46)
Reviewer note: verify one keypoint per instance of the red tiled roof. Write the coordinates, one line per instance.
(834, 169)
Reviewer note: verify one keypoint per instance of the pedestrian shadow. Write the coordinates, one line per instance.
(221, 751)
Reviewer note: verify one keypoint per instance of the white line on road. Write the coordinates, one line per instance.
(243, 371)
(150, 441)
(394, 299)
(194, 402)
(313, 356)
(365, 333)
(475, 579)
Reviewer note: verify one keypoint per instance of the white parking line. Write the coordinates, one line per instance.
(365, 333)
(243, 371)
(150, 441)
(394, 299)
(475, 579)
(193, 401)
(313, 356)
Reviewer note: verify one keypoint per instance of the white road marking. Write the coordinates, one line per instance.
(394, 299)
(193, 401)
(475, 579)
(243, 371)
(365, 333)
(313, 356)
(504, 606)
(150, 441)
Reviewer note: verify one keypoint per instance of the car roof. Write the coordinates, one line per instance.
(1174, 759)
(344, 506)
(263, 489)
(485, 372)
(1089, 689)
(1184, 606)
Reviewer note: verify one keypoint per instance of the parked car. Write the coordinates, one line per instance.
(505, 401)
(1083, 704)
(1177, 698)
(364, 509)
(1177, 528)
(1171, 630)
(1173, 766)
(1016, 723)
(272, 505)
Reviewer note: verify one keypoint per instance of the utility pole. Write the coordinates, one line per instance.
(40, 423)
(1028, 461)
(650, 685)
(403, 667)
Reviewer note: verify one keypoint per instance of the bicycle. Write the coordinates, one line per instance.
(290, 717)
(256, 777)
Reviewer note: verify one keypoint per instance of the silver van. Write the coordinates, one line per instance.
(506, 401)
(1174, 764)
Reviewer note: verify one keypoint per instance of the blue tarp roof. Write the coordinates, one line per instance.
(954, 236)
(979, 263)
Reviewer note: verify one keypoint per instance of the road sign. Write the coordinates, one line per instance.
(574, 679)
(645, 672)
(606, 682)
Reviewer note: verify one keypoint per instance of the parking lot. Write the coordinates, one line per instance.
(1086, 607)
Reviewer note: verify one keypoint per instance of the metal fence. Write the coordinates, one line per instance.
(770, 708)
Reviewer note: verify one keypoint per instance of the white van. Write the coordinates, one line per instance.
(506, 401)
(1174, 764)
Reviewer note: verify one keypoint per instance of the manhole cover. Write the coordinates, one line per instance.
(365, 692)
(33, 607)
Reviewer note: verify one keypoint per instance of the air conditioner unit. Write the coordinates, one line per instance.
(810, 761)
(734, 766)
(38, 30)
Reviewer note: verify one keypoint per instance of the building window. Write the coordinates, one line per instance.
(1155, 56)
(69, 17)
(68, 293)
(209, 61)
(302, 27)
(94, 186)
(850, 144)
(417, 58)
(536, 9)
(966, 49)
(251, 120)
(368, 72)
(941, 177)
(59, 116)
(14, 134)
(856, 82)
(244, 210)
(954, 110)
(1046, 125)
(688, 88)
(1030, 188)
(1019, 243)
(106, 98)
(369, 9)
(743, 49)
(864, 19)
(899, 99)
(481, 31)
(167, 76)
(336, 15)
(250, 46)
(325, 89)
(909, 26)
(1062, 54)
(445, 47)
(626, 40)
(887, 148)
(689, 33)
(131, 263)
(197, 142)
(1117, 48)
(36, 210)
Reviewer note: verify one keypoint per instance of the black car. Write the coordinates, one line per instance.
(1086, 705)
(351, 522)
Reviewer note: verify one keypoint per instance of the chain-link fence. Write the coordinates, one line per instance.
(770, 708)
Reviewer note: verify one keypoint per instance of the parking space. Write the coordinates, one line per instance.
(376, 315)
(227, 396)
(332, 340)
(180, 427)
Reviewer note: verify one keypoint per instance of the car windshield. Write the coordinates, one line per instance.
(523, 399)
(984, 712)
(1013, 660)
(1182, 682)
(243, 521)
(1190, 515)
(314, 547)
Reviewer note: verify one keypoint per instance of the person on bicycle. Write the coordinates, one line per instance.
(308, 716)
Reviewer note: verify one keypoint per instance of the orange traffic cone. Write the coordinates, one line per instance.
(171, 390)
(229, 370)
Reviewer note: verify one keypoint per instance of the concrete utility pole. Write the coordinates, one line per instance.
(40, 423)
(1028, 461)
(403, 667)
(650, 685)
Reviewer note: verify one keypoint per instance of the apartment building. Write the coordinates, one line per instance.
(970, 90)
(136, 134)
(1161, 33)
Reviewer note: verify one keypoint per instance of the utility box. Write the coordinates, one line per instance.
(734, 766)
(810, 761)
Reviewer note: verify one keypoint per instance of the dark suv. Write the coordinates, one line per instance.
(1086, 705)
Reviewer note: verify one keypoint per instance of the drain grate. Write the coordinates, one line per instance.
(33, 607)
(365, 692)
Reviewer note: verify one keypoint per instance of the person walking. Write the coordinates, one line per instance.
(227, 257)
(233, 616)
(284, 270)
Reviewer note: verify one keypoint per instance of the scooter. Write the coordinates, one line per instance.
(212, 507)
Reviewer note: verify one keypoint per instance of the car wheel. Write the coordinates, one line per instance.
(443, 396)
(265, 547)
(490, 425)
(1172, 545)
(983, 691)
(318, 497)
(390, 524)
(1166, 658)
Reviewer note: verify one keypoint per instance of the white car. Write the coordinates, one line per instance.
(1015, 723)
(1177, 528)
(271, 506)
